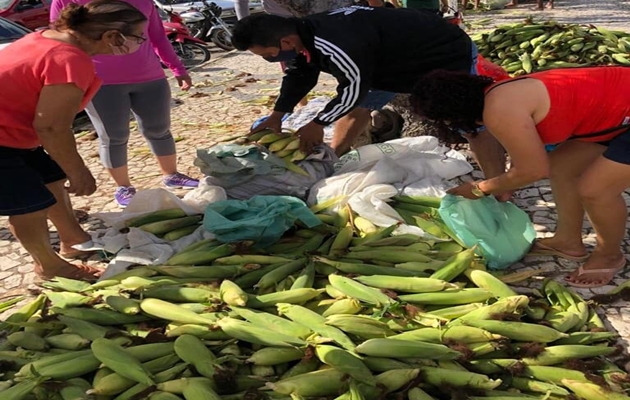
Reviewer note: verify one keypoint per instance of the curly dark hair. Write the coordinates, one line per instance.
(452, 99)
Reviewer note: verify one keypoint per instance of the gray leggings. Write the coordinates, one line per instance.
(242, 8)
(150, 103)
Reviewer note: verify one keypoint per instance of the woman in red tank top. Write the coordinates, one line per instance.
(586, 111)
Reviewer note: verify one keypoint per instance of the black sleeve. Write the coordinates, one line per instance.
(300, 77)
(351, 63)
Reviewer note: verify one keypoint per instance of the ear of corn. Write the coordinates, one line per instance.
(461, 334)
(292, 296)
(278, 274)
(520, 331)
(486, 280)
(591, 391)
(255, 334)
(200, 390)
(455, 266)
(506, 305)
(72, 368)
(396, 379)
(345, 362)
(20, 390)
(343, 306)
(155, 216)
(441, 377)
(232, 294)
(448, 297)
(360, 325)
(326, 382)
(123, 305)
(364, 269)
(68, 341)
(273, 322)
(354, 289)
(531, 385)
(201, 256)
(192, 350)
(27, 340)
(316, 323)
(406, 349)
(412, 285)
(171, 312)
(455, 312)
(381, 364)
(162, 227)
(118, 360)
(270, 356)
(418, 394)
(553, 355)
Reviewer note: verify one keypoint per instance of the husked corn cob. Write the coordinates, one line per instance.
(346, 362)
(520, 331)
(406, 349)
(118, 360)
(325, 382)
(316, 323)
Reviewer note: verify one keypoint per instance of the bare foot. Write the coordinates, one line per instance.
(576, 250)
(599, 270)
(71, 271)
(67, 251)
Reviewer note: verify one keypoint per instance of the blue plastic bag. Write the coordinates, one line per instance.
(263, 219)
(502, 231)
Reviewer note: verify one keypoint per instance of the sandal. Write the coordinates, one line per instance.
(539, 249)
(607, 273)
(74, 254)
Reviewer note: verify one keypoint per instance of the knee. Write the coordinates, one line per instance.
(27, 220)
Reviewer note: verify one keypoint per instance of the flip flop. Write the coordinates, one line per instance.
(77, 254)
(539, 249)
(608, 273)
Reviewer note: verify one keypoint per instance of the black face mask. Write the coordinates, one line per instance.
(283, 55)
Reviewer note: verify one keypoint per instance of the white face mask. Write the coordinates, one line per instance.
(128, 46)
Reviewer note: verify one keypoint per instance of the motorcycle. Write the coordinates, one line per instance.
(189, 49)
(206, 24)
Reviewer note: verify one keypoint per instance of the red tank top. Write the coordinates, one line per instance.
(584, 101)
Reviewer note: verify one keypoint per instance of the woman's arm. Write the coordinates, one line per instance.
(508, 115)
(162, 46)
(55, 112)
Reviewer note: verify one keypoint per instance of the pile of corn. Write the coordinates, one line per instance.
(343, 310)
(284, 145)
(528, 47)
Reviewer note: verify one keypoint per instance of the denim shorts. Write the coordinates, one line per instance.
(25, 174)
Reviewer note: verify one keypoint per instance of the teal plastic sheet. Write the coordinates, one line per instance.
(263, 219)
(502, 231)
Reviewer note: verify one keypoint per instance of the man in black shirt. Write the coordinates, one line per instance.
(372, 52)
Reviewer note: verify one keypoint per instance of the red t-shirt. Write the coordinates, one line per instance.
(28, 65)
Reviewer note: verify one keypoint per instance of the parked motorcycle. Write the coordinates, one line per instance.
(206, 24)
(189, 49)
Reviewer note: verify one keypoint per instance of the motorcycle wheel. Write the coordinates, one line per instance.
(222, 39)
(192, 54)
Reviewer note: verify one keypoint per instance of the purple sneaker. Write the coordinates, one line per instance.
(124, 194)
(180, 181)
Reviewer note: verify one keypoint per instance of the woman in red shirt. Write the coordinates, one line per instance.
(46, 78)
(584, 110)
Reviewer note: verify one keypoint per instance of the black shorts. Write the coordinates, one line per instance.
(24, 176)
(618, 148)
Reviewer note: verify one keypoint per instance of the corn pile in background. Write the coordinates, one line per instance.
(342, 311)
(529, 47)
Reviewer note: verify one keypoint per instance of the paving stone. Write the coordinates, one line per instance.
(12, 281)
(7, 263)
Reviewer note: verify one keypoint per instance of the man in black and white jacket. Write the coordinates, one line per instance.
(373, 53)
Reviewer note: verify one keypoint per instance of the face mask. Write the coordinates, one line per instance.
(283, 55)
(127, 47)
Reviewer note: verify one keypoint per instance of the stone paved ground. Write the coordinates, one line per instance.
(235, 89)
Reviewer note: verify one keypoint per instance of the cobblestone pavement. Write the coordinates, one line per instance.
(234, 89)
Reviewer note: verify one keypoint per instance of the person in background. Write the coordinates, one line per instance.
(136, 83)
(241, 7)
(589, 170)
(46, 78)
